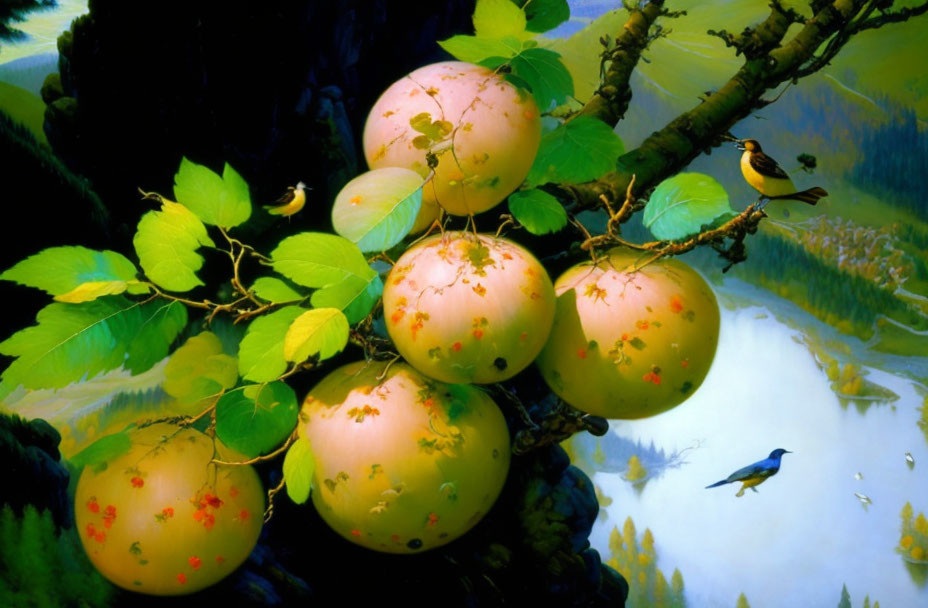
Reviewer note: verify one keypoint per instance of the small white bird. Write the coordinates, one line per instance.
(858, 476)
(864, 500)
(910, 460)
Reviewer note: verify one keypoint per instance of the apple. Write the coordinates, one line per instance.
(161, 519)
(630, 343)
(483, 131)
(464, 308)
(403, 464)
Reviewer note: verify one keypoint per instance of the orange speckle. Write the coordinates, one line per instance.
(523, 336)
(478, 333)
(395, 538)
(93, 505)
(641, 324)
(456, 346)
(534, 295)
(456, 176)
(108, 516)
(182, 578)
(432, 91)
(100, 536)
(506, 256)
(194, 562)
(581, 352)
(356, 532)
(91, 530)
(137, 482)
(479, 289)
(168, 512)
(624, 337)
(397, 316)
(685, 362)
(243, 515)
(233, 491)
(220, 559)
(433, 519)
(429, 403)
(210, 500)
(676, 304)
(209, 521)
(652, 378)
(199, 514)
(528, 115)
(355, 200)
(388, 113)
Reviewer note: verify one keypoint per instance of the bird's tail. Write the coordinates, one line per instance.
(718, 483)
(809, 196)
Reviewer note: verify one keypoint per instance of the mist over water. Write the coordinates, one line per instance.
(805, 533)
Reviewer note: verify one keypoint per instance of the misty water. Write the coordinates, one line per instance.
(804, 534)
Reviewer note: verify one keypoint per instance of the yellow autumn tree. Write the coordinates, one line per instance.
(599, 456)
(636, 471)
(743, 602)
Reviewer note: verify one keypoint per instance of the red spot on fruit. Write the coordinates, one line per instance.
(685, 362)
(478, 333)
(652, 377)
(91, 530)
(581, 352)
(182, 578)
(356, 532)
(528, 115)
(506, 256)
(624, 337)
(243, 515)
(523, 336)
(355, 200)
(233, 491)
(456, 346)
(108, 516)
(100, 536)
(220, 559)
(395, 538)
(676, 304)
(433, 519)
(211, 500)
(641, 324)
(93, 505)
(397, 316)
(168, 512)
(194, 562)
(137, 482)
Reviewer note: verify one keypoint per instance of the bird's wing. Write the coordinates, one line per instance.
(287, 196)
(758, 469)
(766, 166)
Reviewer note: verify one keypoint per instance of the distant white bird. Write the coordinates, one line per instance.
(858, 476)
(910, 459)
(864, 500)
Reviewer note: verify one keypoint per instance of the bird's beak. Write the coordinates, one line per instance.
(787, 451)
(739, 145)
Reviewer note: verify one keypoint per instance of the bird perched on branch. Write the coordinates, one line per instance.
(767, 177)
(291, 202)
(755, 474)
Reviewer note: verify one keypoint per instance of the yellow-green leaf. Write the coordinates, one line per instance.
(275, 290)
(220, 201)
(86, 292)
(199, 369)
(59, 270)
(166, 243)
(299, 466)
(498, 18)
(261, 352)
(321, 331)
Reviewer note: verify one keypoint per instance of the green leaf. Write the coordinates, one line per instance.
(76, 341)
(682, 204)
(498, 18)
(103, 449)
(377, 209)
(322, 331)
(545, 15)
(577, 151)
(275, 290)
(355, 297)
(537, 210)
(257, 418)
(299, 466)
(261, 352)
(166, 243)
(317, 259)
(199, 369)
(474, 50)
(548, 78)
(220, 201)
(60, 270)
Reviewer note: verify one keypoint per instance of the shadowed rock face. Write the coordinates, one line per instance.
(279, 93)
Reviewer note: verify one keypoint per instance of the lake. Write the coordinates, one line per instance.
(805, 533)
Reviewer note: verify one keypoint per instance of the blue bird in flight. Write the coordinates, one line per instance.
(755, 474)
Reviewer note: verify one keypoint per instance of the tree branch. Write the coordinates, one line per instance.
(672, 148)
(610, 102)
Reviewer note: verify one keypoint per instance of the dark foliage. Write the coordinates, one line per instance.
(12, 11)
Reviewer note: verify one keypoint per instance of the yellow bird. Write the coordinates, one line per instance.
(767, 177)
(291, 202)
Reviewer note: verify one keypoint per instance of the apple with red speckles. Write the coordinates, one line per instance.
(465, 308)
(162, 519)
(630, 343)
(483, 132)
(403, 463)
